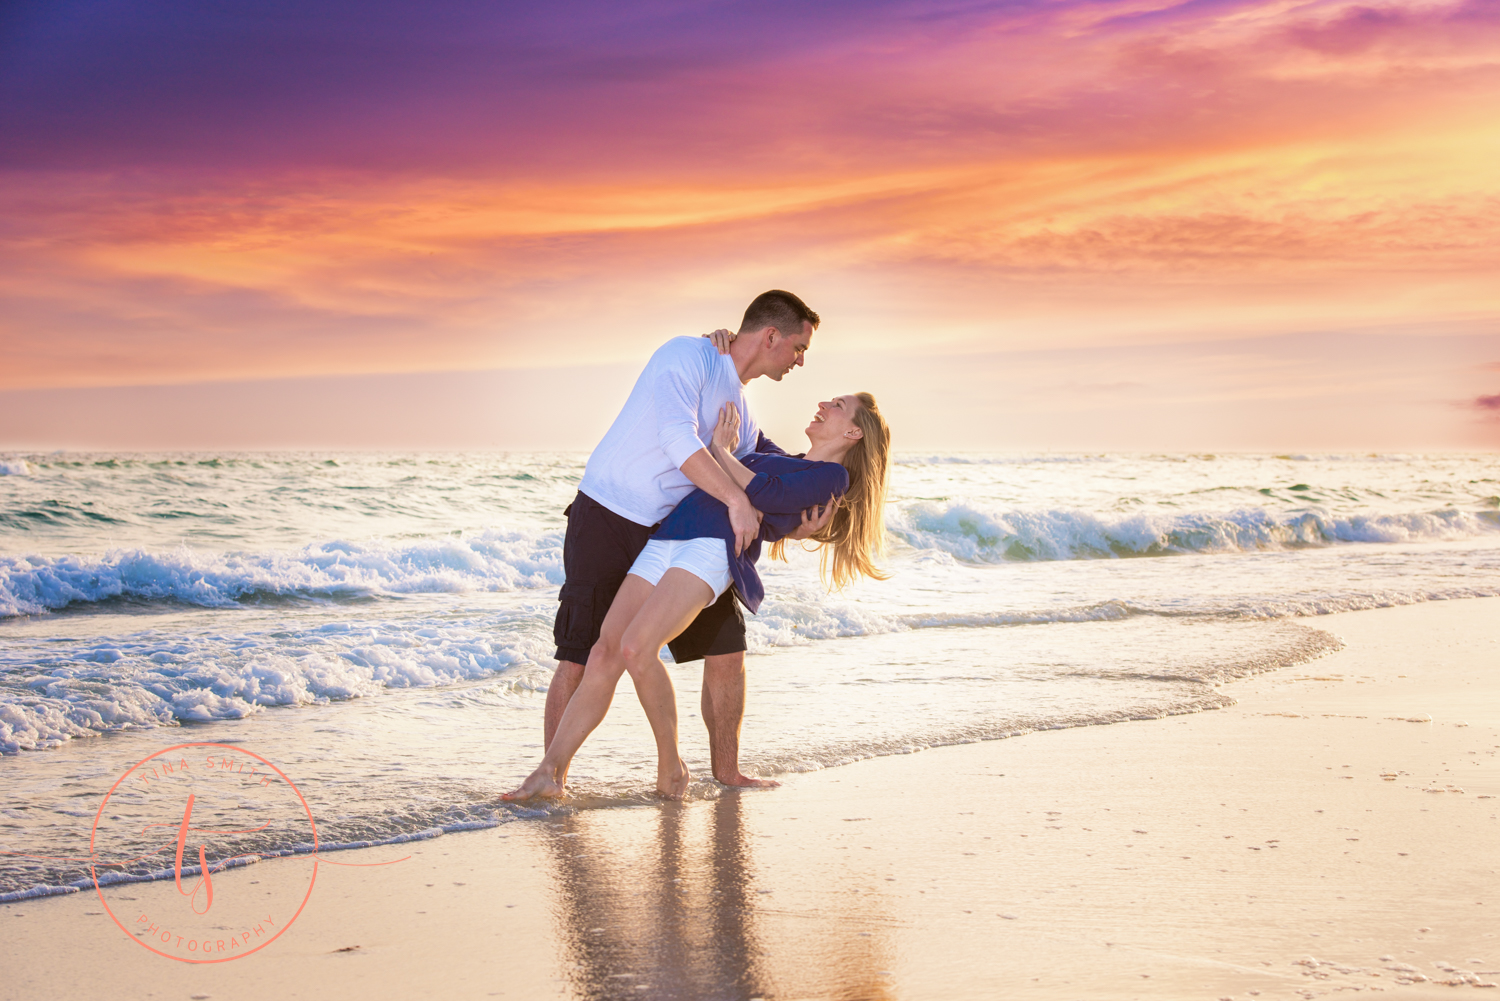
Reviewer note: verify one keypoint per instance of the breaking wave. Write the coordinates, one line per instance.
(489, 561)
(976, 535)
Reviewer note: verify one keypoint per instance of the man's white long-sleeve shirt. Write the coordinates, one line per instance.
(671, 413)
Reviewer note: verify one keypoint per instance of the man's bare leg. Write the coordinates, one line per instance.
(723, 712)
(565, 681)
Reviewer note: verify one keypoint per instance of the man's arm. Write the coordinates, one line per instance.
(708, 476)
(797, 527)
(811, 521)
(733, 468)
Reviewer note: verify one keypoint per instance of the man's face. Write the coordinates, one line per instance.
(785, 353)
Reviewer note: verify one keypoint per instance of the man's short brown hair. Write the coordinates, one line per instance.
(778, 309)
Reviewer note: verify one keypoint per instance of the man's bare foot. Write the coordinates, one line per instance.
(739, 780)
(673, 784)
(538, 785)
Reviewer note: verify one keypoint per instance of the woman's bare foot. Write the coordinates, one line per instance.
(739, 780)
(538, 785)
(673, 784)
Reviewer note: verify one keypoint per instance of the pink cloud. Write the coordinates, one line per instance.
(999, 172)
(1360, 28)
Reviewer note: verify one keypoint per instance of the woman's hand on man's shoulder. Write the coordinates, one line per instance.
(722, 339)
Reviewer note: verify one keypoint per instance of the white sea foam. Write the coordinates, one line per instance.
(408, 714)
(999, 460)
(495, 560)
(262, 855)
(979, 534)
(14, 467)
(50, 694)
(489, 561)
(840, 702)
(152, 679)
(801, 615)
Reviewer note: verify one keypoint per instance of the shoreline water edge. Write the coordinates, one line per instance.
(353, 615)
(1331, 832)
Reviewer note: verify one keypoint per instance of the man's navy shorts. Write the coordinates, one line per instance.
(598, 551)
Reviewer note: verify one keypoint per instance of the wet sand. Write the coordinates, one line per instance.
(1309, 841)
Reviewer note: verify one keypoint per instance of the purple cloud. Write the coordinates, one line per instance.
(1488, 402)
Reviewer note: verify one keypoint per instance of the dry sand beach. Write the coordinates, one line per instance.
(1308, 841)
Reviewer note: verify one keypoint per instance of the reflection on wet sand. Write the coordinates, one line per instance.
(664, 903)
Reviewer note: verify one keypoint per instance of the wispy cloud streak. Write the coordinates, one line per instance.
(294, 189)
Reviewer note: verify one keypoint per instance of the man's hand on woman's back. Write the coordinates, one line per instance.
(814, 520)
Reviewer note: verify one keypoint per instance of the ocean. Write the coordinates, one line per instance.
(380, 625)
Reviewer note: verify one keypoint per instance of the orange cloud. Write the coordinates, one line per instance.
(1038, 176)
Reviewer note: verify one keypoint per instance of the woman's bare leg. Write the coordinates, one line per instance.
(590, 701)
(677, 600)
(640, 620)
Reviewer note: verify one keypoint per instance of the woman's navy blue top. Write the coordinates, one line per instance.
(783, 487)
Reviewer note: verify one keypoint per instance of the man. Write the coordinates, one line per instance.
(652, 457)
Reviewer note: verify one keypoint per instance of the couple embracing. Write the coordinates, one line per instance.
(667, 525)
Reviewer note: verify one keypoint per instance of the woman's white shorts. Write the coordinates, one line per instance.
(707, 559)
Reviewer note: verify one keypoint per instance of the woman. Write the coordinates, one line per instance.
(690, 561)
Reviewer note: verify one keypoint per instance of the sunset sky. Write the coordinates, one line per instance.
(1121, 224)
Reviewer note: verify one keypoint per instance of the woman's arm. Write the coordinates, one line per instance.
(726, 438)
(799, 489)
(792, 492)
(726, 435)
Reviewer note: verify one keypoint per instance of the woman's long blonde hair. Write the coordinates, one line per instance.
(857, 532)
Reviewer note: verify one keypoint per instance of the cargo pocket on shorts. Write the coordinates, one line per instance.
(574, 628)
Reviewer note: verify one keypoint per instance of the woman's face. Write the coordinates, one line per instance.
(835, 420)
